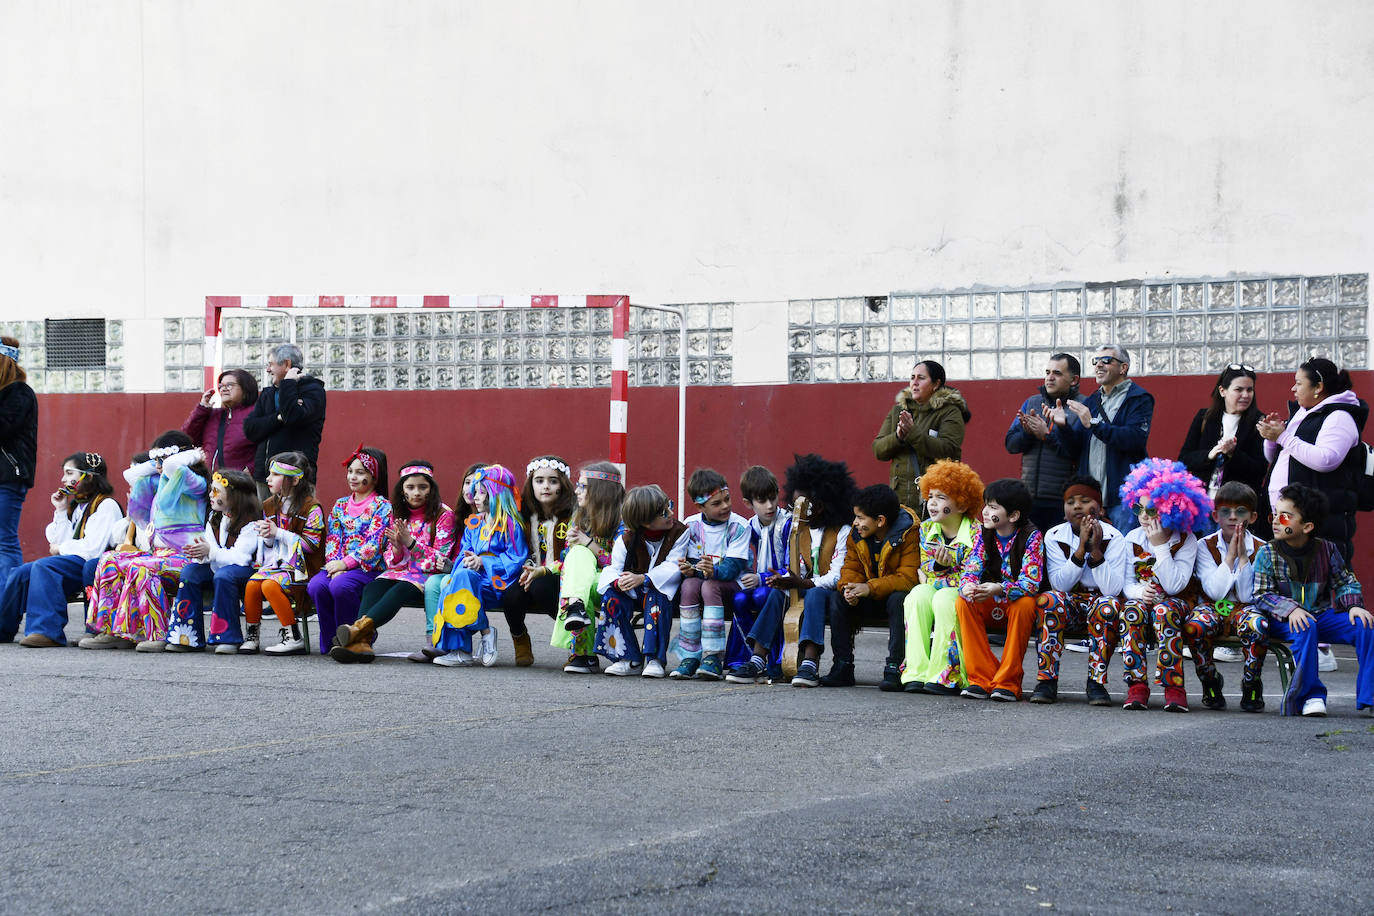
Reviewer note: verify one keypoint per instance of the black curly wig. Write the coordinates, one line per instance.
(829, 485)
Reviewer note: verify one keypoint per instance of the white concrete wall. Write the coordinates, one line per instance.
(155, 152)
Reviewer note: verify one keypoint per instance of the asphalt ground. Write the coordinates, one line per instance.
(222, 784)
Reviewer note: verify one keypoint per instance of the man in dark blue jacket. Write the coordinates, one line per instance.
(1049, 453)
(1112, 427)
(288, 415)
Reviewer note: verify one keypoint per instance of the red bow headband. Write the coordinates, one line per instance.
(367, 460)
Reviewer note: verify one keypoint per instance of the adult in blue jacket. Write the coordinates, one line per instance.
(1112, 427)
(1049, 453)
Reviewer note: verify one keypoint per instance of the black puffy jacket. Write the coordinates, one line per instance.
(18, 434)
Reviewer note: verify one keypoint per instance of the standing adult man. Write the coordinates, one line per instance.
(1112, 427)
(289, 415)
(1049, 453)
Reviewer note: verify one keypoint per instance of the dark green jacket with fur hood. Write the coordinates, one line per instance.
(937, 431)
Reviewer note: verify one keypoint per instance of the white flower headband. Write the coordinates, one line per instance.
(157, 454)
(548, 464)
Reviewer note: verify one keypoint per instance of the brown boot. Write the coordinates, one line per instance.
(524, 653)
(353, 642)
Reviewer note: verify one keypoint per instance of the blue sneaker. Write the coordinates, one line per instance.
(709, 669)
(747, 673)
(686, 669)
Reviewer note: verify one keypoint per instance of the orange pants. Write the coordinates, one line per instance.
(982, 667)
(253, 594)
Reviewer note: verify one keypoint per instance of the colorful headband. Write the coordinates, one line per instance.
(551, 464)
(220, 481)
(282, 469)
(367, 461)
(167, 451)
(703, 500)
(612, 476)
(11, 352)
(412, 469)
(1082, 489)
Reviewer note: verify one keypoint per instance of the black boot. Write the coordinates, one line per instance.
(841, 675)
(1211, 692)
(1046, 691)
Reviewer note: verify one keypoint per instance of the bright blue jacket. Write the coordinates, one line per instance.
(1125, 437)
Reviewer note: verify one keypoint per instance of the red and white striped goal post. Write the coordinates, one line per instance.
(620, 322)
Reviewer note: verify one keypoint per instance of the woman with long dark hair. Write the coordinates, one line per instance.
(18, 450)
(1223, 443)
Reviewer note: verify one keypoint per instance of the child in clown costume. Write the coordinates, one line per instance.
(129, 609)
(1159, 584)
(953, 494)
(493, 550)
(596, 525)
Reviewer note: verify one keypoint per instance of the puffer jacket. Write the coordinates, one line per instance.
(937, 431)
(896, 568)
(18, 434)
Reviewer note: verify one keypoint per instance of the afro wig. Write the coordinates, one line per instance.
(1167, 486)
(828, 484)
(956, 480)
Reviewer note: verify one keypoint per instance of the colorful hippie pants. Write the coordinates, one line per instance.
(1061, 612)
(1330, 625)
(185, 627)
(701, 626)
(576, 583)
(615, 632)
(932, 629)
(130, 595)
(1017, 619)
(1132, 629)
(462, 609)
(1206, 623)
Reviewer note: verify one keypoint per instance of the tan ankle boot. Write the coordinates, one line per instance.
(524, 653)
(353, 642)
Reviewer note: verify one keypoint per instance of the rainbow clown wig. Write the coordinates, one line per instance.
(956, 480)
(1165, 485)
(503, 509)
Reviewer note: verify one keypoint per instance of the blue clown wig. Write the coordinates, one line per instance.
(1166, 485)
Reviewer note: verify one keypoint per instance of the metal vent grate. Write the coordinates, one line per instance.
(74, 343)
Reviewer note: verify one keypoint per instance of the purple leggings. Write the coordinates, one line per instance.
(337, 600)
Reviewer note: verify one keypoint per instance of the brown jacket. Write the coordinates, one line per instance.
(314, 560)
(898, 564)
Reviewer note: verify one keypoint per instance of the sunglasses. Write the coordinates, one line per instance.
(1283, 518)
(1241, 367)
(1240, 513)
(1105, 360)
(667, 510)
(1145, 511)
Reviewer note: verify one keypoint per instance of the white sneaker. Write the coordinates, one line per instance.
(653, 668)
(227, 648)
(1080, 645)
(291, 642)
(1315, 706)
(621, 668)
(1326, 660)
(1227, 654)
(489, 647)
(455, 659)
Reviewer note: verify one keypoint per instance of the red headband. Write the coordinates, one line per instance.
(367, 460)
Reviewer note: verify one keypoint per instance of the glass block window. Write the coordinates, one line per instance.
(1173, 327)
(465, 348)
(70, 355)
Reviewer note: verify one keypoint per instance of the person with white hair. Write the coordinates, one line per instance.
(288, 415)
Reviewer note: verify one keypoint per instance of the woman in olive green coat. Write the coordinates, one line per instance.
(924, 425)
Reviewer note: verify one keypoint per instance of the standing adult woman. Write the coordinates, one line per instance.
(18, 450)
(924, 425)
(219, 430)
(1224, 443)
(1313, 446)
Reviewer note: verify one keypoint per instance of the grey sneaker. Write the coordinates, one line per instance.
(151, 645)
(106, 641)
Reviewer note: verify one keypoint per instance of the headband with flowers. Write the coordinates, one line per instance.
(167, 451)
(612, 476)
(551, 464)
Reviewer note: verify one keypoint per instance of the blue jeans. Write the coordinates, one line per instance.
(815, 613)
(185, 622)
(11, 505)
(38, 592)
(1330, 625)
